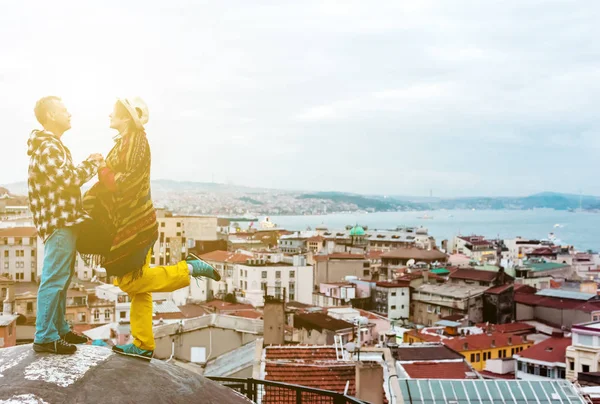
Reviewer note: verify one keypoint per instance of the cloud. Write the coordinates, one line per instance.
(461, 96)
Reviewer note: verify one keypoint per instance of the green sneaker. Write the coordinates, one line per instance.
(132, 350)
(202, 268)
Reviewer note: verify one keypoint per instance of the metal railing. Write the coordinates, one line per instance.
(268, 392)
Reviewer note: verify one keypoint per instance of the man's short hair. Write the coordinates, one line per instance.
(43, 106)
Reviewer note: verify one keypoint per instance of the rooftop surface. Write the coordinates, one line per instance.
(427, 391)
(449, 289)
(552, 350)
(96, 374)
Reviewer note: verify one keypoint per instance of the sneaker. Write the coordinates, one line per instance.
(132, 350)
(73, 337)
(57, 347)
(202, 268)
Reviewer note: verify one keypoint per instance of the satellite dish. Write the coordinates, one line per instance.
(350, 347)
(410, 262)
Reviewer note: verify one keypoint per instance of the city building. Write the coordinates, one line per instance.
(543, 361)
(8, 330)
(431, 361)
(321, 329)
(177, 234)
(477, 347)
(557, 307)
(392, 299)
(432, 302)
(224, 262)
(538, 273)
(583, 356)
(337, 267)
(334, 294)
(18, 253)
(475, 247)
(406, 256)
(253, 279)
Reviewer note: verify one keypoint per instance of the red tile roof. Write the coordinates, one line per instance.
(499, 289)
(339, 256)
(19, 232)
(556, 303)
(226, 256)
(513, 328)
(301, 353)
(400, 283)
(473, 342)
(490, 375)
(415, 253)
(424, 352)
(551, 350)
(484, 341)
(375, 254)
(437, 370)
(473, 275)
(193, 310)
(222, 306)
(310, 366)
(316, 239)
(246, 314)
(319, 321)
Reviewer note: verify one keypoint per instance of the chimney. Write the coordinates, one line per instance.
(274, 321)
(509, 340)
(9, 302)
(465, 346)
(368, 375)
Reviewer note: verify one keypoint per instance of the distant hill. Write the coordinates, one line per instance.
(345, 200)
(362, 202)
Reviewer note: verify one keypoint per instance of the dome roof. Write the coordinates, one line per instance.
(94, 374)
(357, 231)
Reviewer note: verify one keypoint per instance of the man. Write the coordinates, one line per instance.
(55, 201)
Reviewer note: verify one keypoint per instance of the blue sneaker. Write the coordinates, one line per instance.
(132, 350)
(202, 268)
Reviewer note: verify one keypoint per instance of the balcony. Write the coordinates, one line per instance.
(267, 392)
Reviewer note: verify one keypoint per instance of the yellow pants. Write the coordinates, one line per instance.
(154, 279)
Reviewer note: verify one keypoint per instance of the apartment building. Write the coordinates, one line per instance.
(18, 253)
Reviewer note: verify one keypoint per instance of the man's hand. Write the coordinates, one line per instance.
(97, 157)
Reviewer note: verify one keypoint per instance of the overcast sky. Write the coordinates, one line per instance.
(388, 97)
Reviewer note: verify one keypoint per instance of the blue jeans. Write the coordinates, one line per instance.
(59, 264)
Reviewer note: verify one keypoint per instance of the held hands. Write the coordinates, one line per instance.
(97, 157)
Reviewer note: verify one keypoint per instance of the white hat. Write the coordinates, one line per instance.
(138, 110)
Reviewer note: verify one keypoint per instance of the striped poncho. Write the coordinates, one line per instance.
(123, 227)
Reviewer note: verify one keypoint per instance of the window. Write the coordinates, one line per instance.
(178, 224)
(33, 253)
(438, 310)
(122, 314)
(586, 340)
(543, 371)
(278, 274)
(241, 273)
(472, 358)
(571, 365)
(393, 307)
(292, 274)
(402, 306)
(561, 373)
(585, 368)
(33, 265)
(107, 314)
(264, 274)
(162, 224)
(393, 294)
(477, 358)
(178, 234)
(5, 253)
(29, 307)
(366, 265)
(96, 315)
(429, 308)
(366, 272)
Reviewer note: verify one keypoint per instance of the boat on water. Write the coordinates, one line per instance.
(425, 216)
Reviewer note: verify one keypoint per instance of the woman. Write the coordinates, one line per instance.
(124, 228)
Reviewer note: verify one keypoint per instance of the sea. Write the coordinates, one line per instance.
(579, 229)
